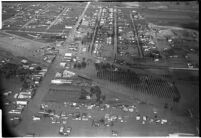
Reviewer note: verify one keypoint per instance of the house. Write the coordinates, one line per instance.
(21, 102)
(31, 67)
(24, 61)
(68, 74)
(68, 54)
(59, 43)
(42, 73)
(25, 66)
(44, 69)
(24, 96)
(36, 82)
(62, 64)
(68, 27)
(58, 75)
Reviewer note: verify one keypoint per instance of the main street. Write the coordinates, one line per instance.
(34, 105)
(72, 32)
(115, 31)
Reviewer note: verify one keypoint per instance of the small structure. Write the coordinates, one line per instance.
(68, 74)
(62, 64)
(68, 27)
(25, 66)
(24, 61)
(21, 102)
(61, 81)
(68, 54)
(58, 75)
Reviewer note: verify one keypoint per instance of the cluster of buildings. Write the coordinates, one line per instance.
(103, 43)
(105, 115)
(65, 76)
(16, 102)
(147, 37)
(127, 40)
(50, 54)
(66, 63)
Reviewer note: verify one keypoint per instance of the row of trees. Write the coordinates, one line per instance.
(118, 76)
(11, 70)
(80, 65)
(143, 83)
(105, 66)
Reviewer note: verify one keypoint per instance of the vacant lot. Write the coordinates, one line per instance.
(22, 48)
(186, 19)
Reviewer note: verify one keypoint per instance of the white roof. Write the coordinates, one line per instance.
(68, 27)
(22, 102)
(67, 73)
(60, 81)
(68, 54)
(24, 61)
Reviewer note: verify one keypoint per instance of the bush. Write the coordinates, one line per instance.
(38, 68)
(79, 66)
(83, 64)
(25, 85)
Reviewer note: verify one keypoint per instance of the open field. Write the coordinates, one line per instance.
(181, 14)
(21, 48)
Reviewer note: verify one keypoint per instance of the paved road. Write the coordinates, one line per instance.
(43, 89)
(137, 38)
(34, 105)
(95, 30)
(115, 32)
(25, 31)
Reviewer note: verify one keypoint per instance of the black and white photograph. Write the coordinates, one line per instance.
(99, 68)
